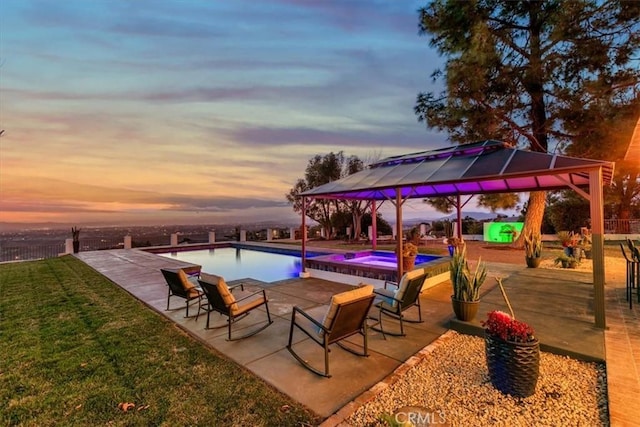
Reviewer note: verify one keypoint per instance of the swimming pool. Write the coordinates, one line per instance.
(241, 263)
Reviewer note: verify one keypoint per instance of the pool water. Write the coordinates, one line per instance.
(239, 263)
(373, 260)
(384, 259)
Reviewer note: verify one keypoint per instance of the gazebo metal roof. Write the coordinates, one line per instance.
(476, 168)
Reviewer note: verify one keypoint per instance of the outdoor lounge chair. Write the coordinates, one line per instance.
(221, 299)
(180, 286)
(345, 316)
(395, 302)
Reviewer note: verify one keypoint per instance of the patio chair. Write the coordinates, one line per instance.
(221, 299)
(180, 286)
(633, 275)
(394, 302)
(345, 316)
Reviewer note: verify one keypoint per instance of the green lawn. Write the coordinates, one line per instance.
(73, 346)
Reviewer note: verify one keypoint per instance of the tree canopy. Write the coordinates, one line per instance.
(532, 73)
(321, 170)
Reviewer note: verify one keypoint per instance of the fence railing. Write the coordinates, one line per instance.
(621, 226)
(27, 252)
(22, 250)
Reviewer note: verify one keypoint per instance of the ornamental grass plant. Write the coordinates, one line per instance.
(466, 284)
(533, 245)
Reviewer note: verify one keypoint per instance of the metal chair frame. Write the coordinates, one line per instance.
(177, 289)
(350, 319)
(411, 298)
(215, 302)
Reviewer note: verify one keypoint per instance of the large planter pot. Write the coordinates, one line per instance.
(577, 253)
(76, 246)
(533, 262)
(408, 262)
(465, 310)
(513, 367)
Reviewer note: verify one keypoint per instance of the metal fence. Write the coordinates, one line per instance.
(22, 251)
(30, 252)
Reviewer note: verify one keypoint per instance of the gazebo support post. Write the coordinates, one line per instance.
(459, 219)
(374, 226)
(303, 232)
(399, 232)
(597, 234)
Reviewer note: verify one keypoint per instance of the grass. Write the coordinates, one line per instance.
(75, 346)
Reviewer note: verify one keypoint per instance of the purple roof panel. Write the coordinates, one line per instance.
(482, 167)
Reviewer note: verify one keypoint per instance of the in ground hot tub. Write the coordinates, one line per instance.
(380, 265)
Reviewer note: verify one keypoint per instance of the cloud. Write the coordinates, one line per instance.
(264, 136)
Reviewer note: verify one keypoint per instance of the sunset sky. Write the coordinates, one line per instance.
(130, 112)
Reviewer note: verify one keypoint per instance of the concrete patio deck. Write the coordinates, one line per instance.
(265, 354)
(562, 315)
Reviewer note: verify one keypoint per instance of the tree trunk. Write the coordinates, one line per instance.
(357, 225)
(533, 218)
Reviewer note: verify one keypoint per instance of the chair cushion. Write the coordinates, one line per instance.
(249, 304)
(188, 285)
(223, 290)
(344, 297)
(184, 279)
(387, 297)
(402, 287)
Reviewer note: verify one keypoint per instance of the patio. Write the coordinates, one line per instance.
(266, 356)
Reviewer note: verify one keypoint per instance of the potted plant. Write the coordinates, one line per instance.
(568, 240)
(453, 243)
(410, 249)
(75, 233)
(533, 249)
(409, 253)
(512, 352)
(466, 285)
(566, 261)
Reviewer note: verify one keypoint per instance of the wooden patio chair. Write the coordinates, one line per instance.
(345, 316)
(221, 299)
(180, 286)
(394, 302)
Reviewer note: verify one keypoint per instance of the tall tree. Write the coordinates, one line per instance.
(356, 207)
(320, 170)
(518, 70)
(610, 142)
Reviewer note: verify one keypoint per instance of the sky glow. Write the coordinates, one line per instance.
(146, 112)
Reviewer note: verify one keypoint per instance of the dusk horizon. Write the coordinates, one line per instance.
(195, 113)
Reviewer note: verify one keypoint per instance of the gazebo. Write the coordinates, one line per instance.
(478, 168)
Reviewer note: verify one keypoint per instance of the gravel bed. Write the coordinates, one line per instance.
(453, 383)
(617, 264)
